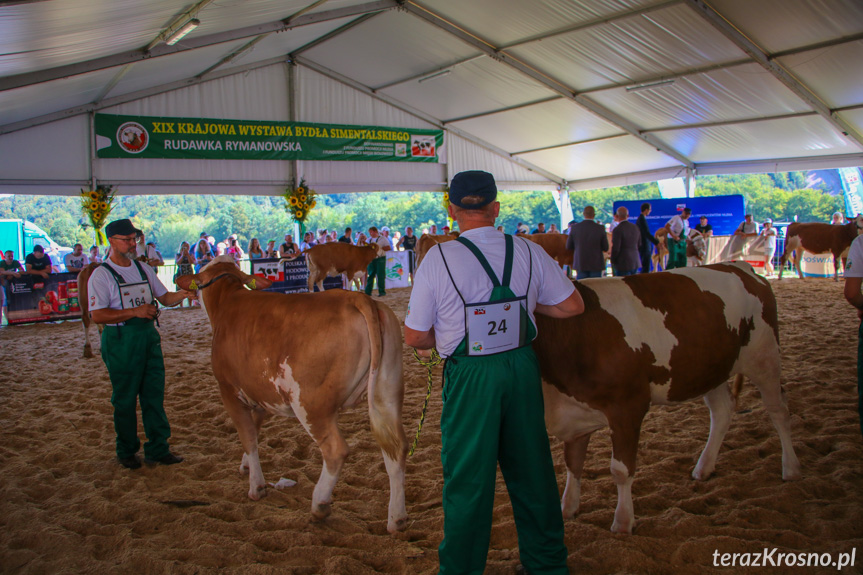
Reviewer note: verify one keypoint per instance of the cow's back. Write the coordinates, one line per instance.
(819, 238)
(682, 332)
(554, 245)
(428, 241)
(338, 257)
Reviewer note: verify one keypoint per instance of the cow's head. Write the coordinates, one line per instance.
(221, 267)
(696, 239)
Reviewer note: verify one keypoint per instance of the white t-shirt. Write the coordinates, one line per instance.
(73, 261)
(854, 265)
(103, 289)
(769, 237)
(750, 228)
(679, 226)
(382, 241)
(435, 303)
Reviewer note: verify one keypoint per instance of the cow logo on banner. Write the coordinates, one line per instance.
(133, 137)
(422, 146)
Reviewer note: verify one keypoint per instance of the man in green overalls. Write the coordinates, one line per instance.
(122, 295)
(474, 300)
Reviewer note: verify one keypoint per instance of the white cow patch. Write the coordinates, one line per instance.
(642, 326)
(290, 388)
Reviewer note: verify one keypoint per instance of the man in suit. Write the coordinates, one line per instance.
(647, 241)
(624, 245)
(588, 241)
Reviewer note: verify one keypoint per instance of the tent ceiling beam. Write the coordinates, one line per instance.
(547, 81)
(731, 122)
(132, 96)
(501, 110)
(425, 117)
(568, 144)
(328, 36)
(730, 31)
(56, 73)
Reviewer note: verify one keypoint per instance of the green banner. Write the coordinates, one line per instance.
(201, 138)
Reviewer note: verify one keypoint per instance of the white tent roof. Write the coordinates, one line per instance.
(544, 94)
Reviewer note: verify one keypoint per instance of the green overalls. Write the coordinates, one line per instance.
(493, 413)
(676, 252)
(133, 355)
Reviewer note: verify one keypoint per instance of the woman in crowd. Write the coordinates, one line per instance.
(233, 250)
(203, 255)
(308, 241)
(94, 258)
(255, 250)
(185, 261)
(271, 251)
(362, 240)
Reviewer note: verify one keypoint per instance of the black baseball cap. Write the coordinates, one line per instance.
(472, 183)
(121, 228)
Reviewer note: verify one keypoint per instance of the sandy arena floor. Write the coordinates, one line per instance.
(66, 506)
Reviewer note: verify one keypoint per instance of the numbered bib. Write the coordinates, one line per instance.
(493, 327)
(134, 295)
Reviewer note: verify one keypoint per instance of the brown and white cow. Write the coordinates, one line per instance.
(696, 249)
(336, 258)
(817, 238)
(84, 303)
(428, 241)
(640, 341)
(307, 356)
(554, 245)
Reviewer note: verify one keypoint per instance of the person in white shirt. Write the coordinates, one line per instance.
(493, 405)
(678, 231)
(853, 283)
(147, 252)
(123, 295)
(768, 232)
(747, 228)
(95, 258)
(76, 259)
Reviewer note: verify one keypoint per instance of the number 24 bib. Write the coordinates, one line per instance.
(493, 327)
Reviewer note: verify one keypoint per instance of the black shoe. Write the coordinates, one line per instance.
(169, 459)
(131, 462)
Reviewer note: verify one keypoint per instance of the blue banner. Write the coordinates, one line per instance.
(724, 213)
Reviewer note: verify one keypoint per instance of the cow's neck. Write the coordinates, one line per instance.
(213, 296)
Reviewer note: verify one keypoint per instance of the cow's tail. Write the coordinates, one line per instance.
(736, 386)
(385, 383)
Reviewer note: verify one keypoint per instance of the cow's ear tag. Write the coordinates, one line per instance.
(253, 284)
(193, 286)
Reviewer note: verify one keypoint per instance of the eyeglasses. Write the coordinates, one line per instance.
(121, 239)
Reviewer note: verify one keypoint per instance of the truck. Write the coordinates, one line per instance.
(21, 236)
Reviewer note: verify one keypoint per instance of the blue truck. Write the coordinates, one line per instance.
(21, 236)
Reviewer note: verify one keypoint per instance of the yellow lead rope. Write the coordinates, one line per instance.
(435, 360)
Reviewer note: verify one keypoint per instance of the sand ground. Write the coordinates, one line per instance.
(66, 506)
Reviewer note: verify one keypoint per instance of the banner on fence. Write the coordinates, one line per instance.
(31, 298)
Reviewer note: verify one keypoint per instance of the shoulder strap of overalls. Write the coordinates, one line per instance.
(118, 278)
(507, 266)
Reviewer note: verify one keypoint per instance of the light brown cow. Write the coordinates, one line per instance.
(305, 355)
(427, 242)
(84, 303)
(336, 258)
(640, 341)
(554, 245)
(818, 238)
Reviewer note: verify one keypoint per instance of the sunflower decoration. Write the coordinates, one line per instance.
(445, 203)
(96, 205)
(300, 201)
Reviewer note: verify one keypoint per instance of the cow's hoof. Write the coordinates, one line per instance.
(702, 475)
(88, 352)
(322, 510)
(621, 528)
(396, 525)
(258, 493)
(792, 475)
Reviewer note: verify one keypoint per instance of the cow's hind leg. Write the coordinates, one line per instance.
(88, 349)
(258, 416)
(574, 453)
(721, 406)
(334, 450)
(247, 429)
(767, 382)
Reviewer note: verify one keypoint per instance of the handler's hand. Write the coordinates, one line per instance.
(189, 295)
(147, 311)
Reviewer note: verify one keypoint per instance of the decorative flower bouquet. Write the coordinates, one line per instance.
(300, 201)
(96, 205)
